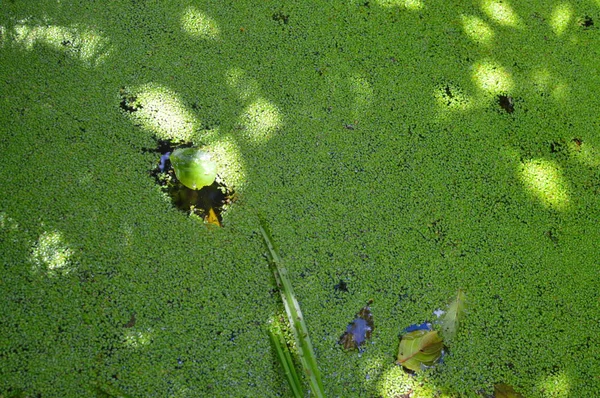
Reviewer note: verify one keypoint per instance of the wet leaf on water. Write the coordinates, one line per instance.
(420, 348)
(453, 317)
(505, 391)
(358, 330)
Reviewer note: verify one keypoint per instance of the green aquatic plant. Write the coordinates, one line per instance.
(305, 351)
(285, 358)
(193, 167)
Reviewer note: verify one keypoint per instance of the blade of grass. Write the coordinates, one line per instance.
(285, 358)
(295, 317)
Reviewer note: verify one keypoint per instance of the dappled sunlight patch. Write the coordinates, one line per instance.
(51, 254)
(137, 338)
(260, 120)
(450, 97)
(394, 382)
(541, 78)
(560, 92)
(477, 29)
(408, 4)
(363, 94)
(2, 36)
(7, 222)
(584, 153)
(79, 42)
(544, 81)
(227, 153)
(492, 78)
(246, 87)
(543, 178)
(555, 385)
(562, 15)
(199, 25)
(501, 12)
(159, 110)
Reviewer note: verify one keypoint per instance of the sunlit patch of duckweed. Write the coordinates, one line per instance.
(585, 153)
(7, 222)
(245, 87)
(51, 254)
(199, 25)
(492, 77)
(541, 78)
(260, 120)
(555, 385)
(362, 92)
(394, 382)
(160, 111)
(408, 4)
(544, 180)
(501, 12)
(560, 91)
(562, 15)
(450, 97)
(136, 338)
(477, 29)
(228, 154)
(80, 42)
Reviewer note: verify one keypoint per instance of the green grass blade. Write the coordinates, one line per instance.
(285, 358)
(295, 317)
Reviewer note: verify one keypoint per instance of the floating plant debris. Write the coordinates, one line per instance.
(208, 202)
(586, 22)
(358, 330)
(420, 348)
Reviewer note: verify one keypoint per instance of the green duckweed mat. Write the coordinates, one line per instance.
(399, 150)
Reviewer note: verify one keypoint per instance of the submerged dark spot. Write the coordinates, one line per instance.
(586, 22)
(506, 102)
(341, 287)
(281, 17)
(556, 146)
(448, 92)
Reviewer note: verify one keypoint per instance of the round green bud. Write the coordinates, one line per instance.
(193, 167)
